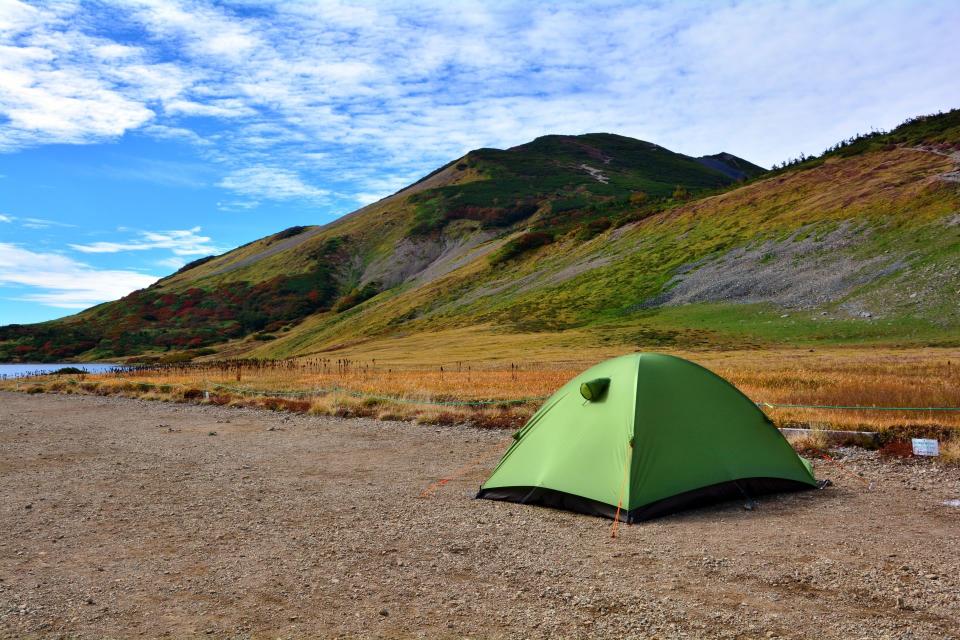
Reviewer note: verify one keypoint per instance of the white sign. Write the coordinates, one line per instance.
(925, 447)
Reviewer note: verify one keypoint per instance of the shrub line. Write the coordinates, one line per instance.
(388, 398)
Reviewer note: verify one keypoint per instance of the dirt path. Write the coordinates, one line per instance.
(127, 518)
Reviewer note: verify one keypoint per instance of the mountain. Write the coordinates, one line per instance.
(731, 166)
(572, 242)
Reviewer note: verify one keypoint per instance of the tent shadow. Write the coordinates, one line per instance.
(772, 505)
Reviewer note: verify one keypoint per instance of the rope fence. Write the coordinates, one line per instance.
(530, 399)
(774, 405)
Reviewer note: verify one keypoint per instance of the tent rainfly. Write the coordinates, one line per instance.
(643, 435)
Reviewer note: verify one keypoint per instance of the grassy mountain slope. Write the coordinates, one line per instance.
(888, 248)
(856, 247)
(594, 239)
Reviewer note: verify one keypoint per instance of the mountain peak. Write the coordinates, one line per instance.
(731, 166)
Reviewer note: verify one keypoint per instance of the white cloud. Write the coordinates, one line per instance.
(213, 109)
(58, 281)
(63, 85)
(204, 30)
(288, 96)
(171, 263)
(6, 218)
(164, 132)
(182, 242)
(43, 223)
(238, 205)
(273, 183)
(364, 198)
(380, 186)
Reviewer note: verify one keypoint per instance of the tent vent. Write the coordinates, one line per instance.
(594, 389)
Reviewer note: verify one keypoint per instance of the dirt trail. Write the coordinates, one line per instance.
(128, 518)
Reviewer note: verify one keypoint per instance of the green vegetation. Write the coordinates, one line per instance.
(357, 296)
(151, 319)
(69, 371)
(288, 233)
(195, 263)
(571, 174)
(518, 246)
(932, 130)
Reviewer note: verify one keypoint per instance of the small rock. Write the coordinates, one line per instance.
(384, 612)
(90, 601)
(901, 603)
(212, 433)
(29, 505)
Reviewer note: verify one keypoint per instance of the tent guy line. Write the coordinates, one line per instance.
(774, 405)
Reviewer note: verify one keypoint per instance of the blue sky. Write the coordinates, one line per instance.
(136, 136)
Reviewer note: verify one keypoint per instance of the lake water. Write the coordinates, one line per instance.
(28, 369)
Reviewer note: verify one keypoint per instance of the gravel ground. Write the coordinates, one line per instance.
(129, 518)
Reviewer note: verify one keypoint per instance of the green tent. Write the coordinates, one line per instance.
(648, 433)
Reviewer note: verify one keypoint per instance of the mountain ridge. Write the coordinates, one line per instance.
(569, 232)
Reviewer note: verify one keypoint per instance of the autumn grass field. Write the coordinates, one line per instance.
(498, 393)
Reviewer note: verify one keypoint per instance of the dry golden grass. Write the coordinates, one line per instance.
(850, 377)
(813, 443)
(449, 385)
(950, 450)
(443, 393)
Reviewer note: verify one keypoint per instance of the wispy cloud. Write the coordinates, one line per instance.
(182, 242)
(43, 223)
(272, 183)
(238, 205)
(35, 223)
(171, 263)
(163, 172)
(292, 100)
(56, 89)
(55, 280)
